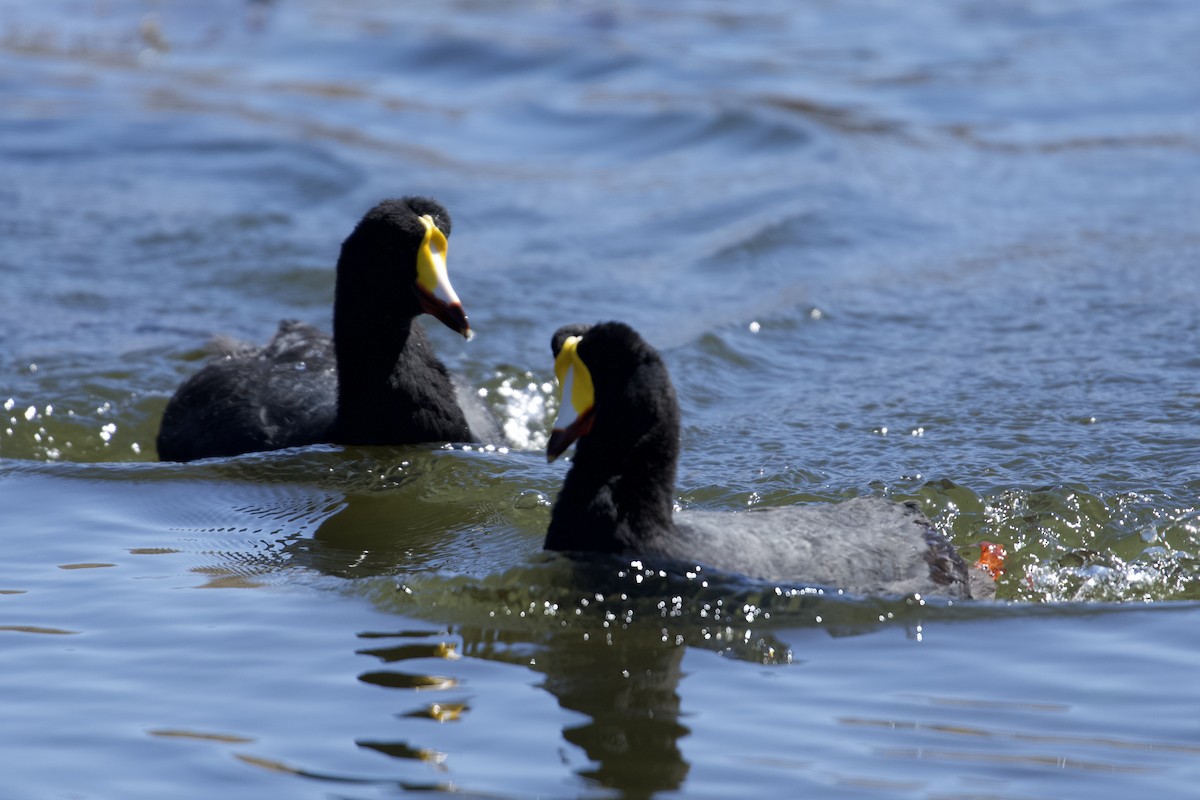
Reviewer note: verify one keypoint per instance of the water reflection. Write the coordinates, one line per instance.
(390, 534)
(369, 535)
(628, 705)
(627, 688)
(607, 637)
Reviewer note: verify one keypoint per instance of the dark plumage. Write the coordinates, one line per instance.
(619, 493)
(375, 381)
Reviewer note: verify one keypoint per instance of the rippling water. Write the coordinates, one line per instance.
(940, 253)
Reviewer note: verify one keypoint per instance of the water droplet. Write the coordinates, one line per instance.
(531, 498)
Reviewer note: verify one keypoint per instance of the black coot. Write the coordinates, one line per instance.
(375, 381)
(618, 404)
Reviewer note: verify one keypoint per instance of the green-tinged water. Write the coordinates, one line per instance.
(945, 254)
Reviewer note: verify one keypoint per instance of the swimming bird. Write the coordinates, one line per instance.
(375, 381)
(619, 407)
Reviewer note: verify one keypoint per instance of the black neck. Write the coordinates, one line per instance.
(392, 389)
(619, 494)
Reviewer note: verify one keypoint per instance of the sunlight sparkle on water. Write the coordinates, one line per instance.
(527, 405)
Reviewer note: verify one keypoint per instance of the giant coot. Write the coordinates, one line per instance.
(375, 381)
(618, 404)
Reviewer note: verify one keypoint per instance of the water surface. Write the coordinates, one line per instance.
(945, 254)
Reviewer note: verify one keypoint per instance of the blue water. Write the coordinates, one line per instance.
(939, 253)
